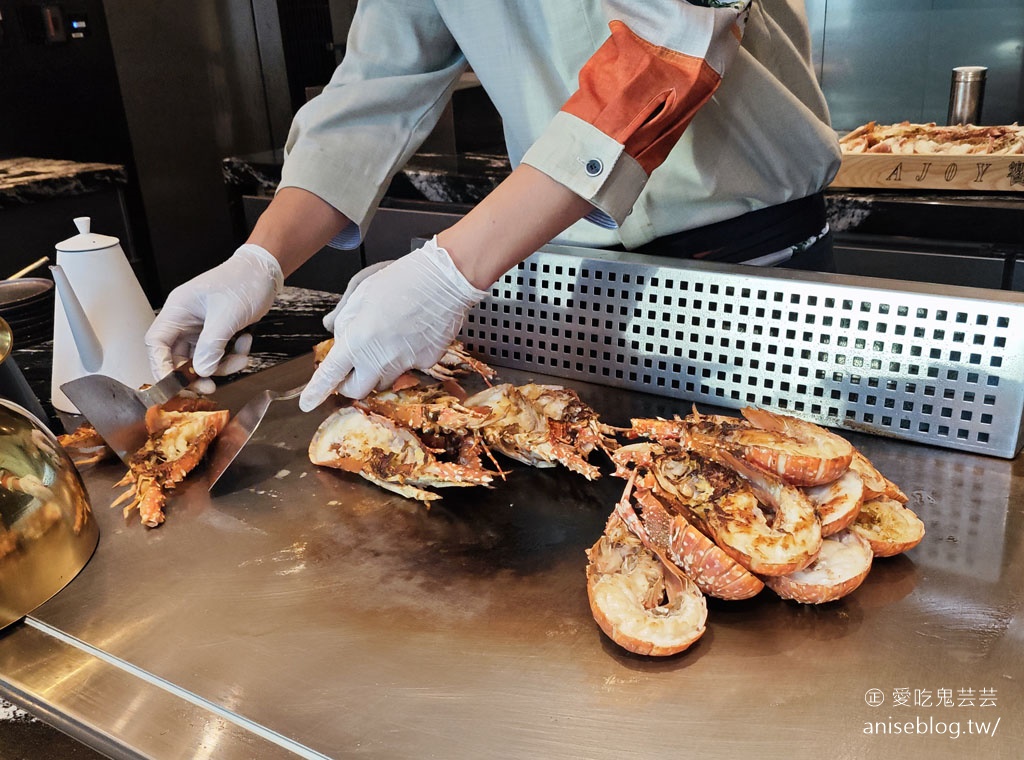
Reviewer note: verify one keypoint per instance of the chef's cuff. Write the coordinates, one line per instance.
(581, 157)
(348, 238)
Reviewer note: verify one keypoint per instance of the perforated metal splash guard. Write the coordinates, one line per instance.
(936, 364)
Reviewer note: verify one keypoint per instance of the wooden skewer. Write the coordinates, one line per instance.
(34, 265)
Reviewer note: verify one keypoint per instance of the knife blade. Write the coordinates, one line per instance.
(117, 411)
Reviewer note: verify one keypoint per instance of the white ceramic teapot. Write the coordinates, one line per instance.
(100, 314)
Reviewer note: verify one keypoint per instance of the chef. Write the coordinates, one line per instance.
(691, 129)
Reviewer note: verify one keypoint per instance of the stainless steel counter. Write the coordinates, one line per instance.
(307, 612)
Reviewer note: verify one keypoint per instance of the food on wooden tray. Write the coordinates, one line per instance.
(736, 504)
(180, 432)
(931, 138)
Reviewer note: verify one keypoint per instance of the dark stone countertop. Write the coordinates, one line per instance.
(994, 219)
(30, 180)
(462, 179)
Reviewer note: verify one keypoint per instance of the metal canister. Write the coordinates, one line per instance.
(966, 93)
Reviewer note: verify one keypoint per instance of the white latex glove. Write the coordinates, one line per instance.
(353, 283)
(401, 317)
(201, 316)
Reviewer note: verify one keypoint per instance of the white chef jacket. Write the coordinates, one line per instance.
(666, 115)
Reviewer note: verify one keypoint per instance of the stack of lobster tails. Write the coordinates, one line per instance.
(724, 506)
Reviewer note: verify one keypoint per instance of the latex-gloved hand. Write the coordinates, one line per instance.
(353, 283)
(401, 317)
(201, 316)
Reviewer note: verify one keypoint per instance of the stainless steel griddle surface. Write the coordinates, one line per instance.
(308, 612)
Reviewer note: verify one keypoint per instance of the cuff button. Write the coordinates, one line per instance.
(593, 167)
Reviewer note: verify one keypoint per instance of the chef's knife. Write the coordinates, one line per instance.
(118, 412)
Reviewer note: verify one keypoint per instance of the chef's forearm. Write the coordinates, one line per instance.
(523, 213)
(296, 225)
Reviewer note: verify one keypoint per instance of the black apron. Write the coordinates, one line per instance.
(756, 234)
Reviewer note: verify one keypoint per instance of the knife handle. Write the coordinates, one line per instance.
(170, 386)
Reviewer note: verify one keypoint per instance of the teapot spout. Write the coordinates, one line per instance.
(90, 350)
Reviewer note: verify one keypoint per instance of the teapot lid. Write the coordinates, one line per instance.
(86, 240)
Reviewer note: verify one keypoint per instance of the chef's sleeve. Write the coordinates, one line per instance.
(637, 94)
(345, 145)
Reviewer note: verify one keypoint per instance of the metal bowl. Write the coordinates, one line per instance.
(47, 530)
(6, 340)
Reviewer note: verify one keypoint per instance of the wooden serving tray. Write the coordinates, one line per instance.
(932, 172)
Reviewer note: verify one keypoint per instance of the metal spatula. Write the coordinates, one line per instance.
(239, 430)
(118, 412)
